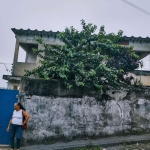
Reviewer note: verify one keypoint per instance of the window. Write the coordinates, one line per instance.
(21, 55)
(26, 53)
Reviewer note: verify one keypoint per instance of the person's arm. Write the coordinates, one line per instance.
(26, 117)
(9, 125)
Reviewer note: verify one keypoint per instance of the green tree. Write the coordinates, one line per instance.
(87, 59)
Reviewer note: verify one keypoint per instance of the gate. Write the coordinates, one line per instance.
(7, 100)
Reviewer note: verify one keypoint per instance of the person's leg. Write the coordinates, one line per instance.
(12, 136)
(18, 135)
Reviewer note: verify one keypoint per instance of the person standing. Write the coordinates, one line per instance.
(16, 123)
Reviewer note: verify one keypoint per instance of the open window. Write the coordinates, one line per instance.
(26, 53)
(21, 55)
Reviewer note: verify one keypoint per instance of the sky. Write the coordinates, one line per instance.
(55, 15)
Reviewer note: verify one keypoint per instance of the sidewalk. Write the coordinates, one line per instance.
(81, 143)
(98, 142)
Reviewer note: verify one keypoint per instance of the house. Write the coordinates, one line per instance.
(25, 39)
(141, 46)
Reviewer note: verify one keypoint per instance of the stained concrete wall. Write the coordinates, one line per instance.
(11, 84)
(20, 67)
(32, 40)
(140, 46)
(145, 80)
(31, 57)
(32, 60)
(142, 76)
(66, 117)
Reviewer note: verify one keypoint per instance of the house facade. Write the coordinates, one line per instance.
(25, 39)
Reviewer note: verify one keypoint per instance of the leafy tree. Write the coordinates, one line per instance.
(87, 59)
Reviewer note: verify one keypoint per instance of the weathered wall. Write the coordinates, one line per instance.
(140, 46)
(11, 84)
(20, 67)
(143, 76)
(48, 88)
(66, 118)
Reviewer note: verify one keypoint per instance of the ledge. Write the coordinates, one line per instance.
(9, 77)
(141, 72)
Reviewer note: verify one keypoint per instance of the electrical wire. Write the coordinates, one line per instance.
(8, 69)
(5, 66)
(136, 7)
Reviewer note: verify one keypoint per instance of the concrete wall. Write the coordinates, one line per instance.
(142, 47)
(32, 61)
(142, 76)
(31, 57)
(31, 40)
(145, 80)
(11, 84)
(19, 68)
(66, 117)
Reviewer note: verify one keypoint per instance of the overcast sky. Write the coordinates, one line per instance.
(57, 14)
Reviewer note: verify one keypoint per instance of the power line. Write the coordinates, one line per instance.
(144, 11)
(136, 7)
(5, 63)
(5, 66)
(9, 64)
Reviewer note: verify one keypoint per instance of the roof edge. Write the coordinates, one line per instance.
(50, 33)
(34, 32)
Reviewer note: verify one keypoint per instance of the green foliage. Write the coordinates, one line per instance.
(95, 61)
(89, 148)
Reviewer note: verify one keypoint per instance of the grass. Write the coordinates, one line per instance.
(89, 148)
(49, 143)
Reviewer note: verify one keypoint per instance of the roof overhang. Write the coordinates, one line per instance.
(29, 32)
(135, 39)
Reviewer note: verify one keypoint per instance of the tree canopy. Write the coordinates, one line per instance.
(87, 59)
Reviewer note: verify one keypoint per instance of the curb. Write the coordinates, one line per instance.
(110, 141)
(4, 146)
